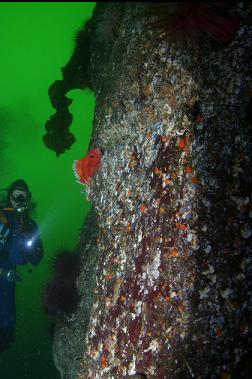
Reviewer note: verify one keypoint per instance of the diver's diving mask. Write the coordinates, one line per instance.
(18, 199)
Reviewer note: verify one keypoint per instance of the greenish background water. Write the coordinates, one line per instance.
(37, 39)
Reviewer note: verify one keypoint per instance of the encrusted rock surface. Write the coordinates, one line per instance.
(171, 251)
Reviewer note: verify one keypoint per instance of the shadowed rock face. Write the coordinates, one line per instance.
(172, 207)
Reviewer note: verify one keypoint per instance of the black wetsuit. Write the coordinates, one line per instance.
(20, 244)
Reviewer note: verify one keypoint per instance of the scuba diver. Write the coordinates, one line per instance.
(20, 244)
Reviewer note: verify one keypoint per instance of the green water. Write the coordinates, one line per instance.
(37, 39)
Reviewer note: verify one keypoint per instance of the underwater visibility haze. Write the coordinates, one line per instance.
(37, 39)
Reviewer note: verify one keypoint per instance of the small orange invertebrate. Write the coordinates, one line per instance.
(109, 277)
(182, 227)
(195, 180)
(182, 144)
(143, 208)
(157, 171)
(149, 134)
(104, 361)
(167, 182)
(174, 253)
(189, 169)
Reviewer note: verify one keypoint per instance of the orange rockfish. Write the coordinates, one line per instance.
(86, 168)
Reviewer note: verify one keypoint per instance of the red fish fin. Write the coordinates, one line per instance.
(81, 176)
(76, 169)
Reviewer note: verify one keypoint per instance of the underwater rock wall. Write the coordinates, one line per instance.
(172, 201)
(68, 346)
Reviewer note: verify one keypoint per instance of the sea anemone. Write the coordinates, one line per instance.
(189, 23)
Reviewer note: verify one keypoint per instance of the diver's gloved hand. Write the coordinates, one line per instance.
(28, 243)
(10, 275)
(32, 249)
